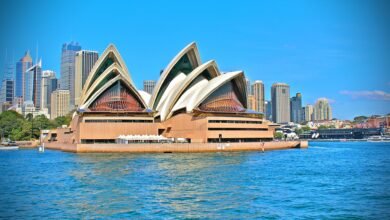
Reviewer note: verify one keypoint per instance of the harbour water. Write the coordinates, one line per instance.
(327, 180)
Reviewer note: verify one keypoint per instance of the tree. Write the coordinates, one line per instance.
(29, 117)
(299, 131)
(322, 127)
(22, 133)
(306, 128)
(9, 121)
(16, 127)
(62, 120)
(278, 135)
(42, 122)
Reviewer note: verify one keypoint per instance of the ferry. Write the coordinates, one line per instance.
(379, 139)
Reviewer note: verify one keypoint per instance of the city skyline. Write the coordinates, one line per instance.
(325, 56)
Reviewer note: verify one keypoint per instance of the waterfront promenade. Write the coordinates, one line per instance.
(176, 147)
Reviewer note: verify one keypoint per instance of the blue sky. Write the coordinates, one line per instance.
(334, 49)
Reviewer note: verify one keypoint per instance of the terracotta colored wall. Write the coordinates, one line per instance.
(186, 126)
(179, 126)
(113, 130)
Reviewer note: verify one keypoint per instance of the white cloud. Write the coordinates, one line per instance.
(375, 94)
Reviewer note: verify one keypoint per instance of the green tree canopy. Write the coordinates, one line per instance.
(278, 135)
(16, 127)
(9, 121)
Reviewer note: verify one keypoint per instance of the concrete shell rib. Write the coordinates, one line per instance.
(145, 96)
(109, 51)
(113, 68)
(213, 85)
(188, 49)
(166, 110)
(106, 86)
(118, 67)
(189, 96)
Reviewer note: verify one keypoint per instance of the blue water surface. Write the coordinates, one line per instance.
(327, 180)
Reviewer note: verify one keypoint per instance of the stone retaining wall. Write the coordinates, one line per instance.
(176, 147)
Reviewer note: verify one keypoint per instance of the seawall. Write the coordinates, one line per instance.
(176, 147)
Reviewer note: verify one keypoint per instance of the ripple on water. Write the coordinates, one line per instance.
(328, 180)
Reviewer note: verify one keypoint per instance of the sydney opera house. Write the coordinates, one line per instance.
(192, 101)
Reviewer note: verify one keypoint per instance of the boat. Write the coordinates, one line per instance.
(8, 143)
(9, 147)
(378, 138)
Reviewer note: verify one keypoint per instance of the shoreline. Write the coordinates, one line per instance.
(177, 147)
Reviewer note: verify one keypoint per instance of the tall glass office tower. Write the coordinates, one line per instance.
(32, 84)
(21, 67)
(296, 108)
(67, 81)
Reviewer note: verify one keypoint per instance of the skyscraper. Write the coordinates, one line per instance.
(7, 91)
(21, 67)
(280, 95)
(251, 102)
(59, 103)
(49, 84)
(308, 115)
(258, 93)
(249, 96)
(7, 86)
(296, 108)
(149, 86)
(32, 85)
(68, 68)
(84, 62)
(268, 110)
(322, 110)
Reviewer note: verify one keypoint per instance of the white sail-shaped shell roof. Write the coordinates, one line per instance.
(109, 68)
(178, 90)
(191, 51)
(184, 84)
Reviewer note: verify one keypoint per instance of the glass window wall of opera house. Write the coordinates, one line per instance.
(192, 102)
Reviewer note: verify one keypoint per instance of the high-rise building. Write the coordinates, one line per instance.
(268, 110)
(32, 84)
(68, 68)
(308, 113)
(21, 67)
(248, 93)
(322, 110)
(258, 93)
(59, 103)
(296, 108)
(7, 91)
(49, 84)
(149, 86)
(7, 86)
(84, 62)
(251, 102)
(280, 95)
